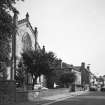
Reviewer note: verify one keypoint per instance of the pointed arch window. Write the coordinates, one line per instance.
(27, 43)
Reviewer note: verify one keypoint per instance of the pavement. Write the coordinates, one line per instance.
(47, 100)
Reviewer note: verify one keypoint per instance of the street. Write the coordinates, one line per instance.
(91, 98)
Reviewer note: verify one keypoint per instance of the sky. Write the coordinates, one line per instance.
(73, 29)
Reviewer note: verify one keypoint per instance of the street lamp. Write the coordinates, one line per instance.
(13, 65)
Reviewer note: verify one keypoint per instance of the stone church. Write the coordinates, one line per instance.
(26, 39)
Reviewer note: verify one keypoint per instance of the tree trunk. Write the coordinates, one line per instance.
(34, 81)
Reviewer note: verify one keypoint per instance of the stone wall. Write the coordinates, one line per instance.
(29, 95)
(7, 91)
(34, 95)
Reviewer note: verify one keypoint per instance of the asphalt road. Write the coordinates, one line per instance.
(91, 98)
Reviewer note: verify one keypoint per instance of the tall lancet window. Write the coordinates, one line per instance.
(27, 43)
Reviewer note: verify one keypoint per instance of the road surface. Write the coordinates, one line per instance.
(91, 98)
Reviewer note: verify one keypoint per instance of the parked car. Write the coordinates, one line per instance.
(38, 86)
(102, 88)
(93, 88)
(44, 88)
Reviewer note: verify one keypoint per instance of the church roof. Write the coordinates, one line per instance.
(26, 20)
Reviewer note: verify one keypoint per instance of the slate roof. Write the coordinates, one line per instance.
(77, 68)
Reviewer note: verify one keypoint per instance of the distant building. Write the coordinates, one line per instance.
(67, 68)
(83, 74)
(104, 80)
(75, 69)
(93, 80)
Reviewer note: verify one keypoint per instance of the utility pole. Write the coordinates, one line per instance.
(36, 32)
(13, 60)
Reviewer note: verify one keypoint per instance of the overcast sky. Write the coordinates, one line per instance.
(73, 29)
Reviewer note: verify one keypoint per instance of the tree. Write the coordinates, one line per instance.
(7, 28)
(3, 74)
(38, 63)
(68, 78)
(20, 74)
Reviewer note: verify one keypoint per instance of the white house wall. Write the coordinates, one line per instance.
(78, 77)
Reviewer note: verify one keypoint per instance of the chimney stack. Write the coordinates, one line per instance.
(35, 32)
(27, 16)
(43, 49)
(88, 67)
(83, 64)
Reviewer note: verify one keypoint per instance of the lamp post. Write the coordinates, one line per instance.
(13, 60)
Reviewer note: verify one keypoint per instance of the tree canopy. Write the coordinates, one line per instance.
(6, 27)
(38, 62)
(68, 78)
